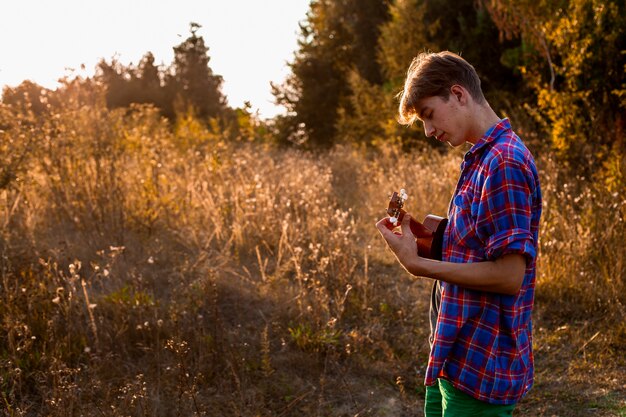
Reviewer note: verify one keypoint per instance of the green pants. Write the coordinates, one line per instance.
(443, 400)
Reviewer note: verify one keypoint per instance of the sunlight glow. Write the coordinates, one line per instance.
(249, 41)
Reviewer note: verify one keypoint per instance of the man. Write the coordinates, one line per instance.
(481, 361)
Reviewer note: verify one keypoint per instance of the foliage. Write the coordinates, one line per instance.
(556, 67)
(336, 38)
(363, 107)
(365, 121)
(26, 98)
(575, 63)
(187, 85)
(212, 271)
(127, 85)
(191, 267)
(405, 35)
(193, 80)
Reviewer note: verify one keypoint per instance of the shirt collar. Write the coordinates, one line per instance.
(490, 135)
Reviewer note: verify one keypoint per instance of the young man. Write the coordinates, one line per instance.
(481, 361)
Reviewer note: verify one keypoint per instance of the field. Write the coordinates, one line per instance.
(156, 271)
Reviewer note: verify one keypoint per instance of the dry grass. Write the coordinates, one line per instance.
(152, 272)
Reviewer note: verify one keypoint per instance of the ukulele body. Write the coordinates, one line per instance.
(428, 234)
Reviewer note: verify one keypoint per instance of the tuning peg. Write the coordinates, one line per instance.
(394, 220)
(403, 194)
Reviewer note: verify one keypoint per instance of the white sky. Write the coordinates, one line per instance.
(249, 41)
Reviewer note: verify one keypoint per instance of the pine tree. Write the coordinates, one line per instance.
(192, 80)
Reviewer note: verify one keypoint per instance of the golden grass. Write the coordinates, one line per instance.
(148, 272)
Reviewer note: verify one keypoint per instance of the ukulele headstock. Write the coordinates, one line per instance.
(396, 202)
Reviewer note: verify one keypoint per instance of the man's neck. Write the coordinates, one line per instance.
(484, 119)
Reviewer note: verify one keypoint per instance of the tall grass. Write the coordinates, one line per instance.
(151, 270)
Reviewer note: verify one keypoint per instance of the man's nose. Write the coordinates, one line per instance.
(429, 130)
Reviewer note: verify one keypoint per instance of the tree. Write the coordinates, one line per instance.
(28, 97)
(336, 38)
(465, 27)
(149, 85)
(121, 83)
(187, 85)
(406, 34)
(575, 63)
(192, 80)
(416, 26)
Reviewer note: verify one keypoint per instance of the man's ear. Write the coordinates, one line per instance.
(459, 93)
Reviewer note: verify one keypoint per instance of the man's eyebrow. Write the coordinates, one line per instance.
(421, 112)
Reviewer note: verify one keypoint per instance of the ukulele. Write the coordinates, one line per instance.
(428, 234)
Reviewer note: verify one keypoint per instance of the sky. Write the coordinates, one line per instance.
(250, 41)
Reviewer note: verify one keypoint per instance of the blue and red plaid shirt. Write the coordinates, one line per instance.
(482, 341)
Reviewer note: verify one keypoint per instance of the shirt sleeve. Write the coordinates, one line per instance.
(505, 209)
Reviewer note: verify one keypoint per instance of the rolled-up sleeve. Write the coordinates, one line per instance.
(505, 209)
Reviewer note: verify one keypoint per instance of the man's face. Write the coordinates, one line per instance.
(445, 120)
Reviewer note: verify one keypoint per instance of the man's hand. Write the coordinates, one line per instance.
(402, 243)
(503, 275)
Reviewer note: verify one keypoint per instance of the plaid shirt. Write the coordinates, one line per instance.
(483, 341)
